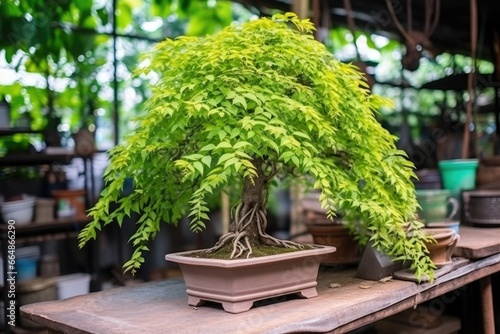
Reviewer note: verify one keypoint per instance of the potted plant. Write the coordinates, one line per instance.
(325, 231)
(253, 102)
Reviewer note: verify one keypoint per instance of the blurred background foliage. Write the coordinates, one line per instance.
(57, 64)
(56, 60)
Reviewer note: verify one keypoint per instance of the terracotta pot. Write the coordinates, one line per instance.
(441, 251)
(348, 250)
(71, 201)
(238, 283)
(488, 173)
(453, 224)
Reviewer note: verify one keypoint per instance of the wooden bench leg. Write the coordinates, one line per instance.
(487, 305)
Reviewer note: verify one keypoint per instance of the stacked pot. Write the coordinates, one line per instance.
(20, 211)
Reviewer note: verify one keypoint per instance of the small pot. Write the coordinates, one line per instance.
(428, 179)
(21, 211)
(484, 208)
(337, 235)
(70, 202)
(453, 224)
(434, 205)
(441, 251)
(488, 173)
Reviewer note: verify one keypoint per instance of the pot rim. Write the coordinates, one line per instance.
(432, 192)
(181, 257)
(439, 232)
(443, 224)
(451, 163)
(484, 193)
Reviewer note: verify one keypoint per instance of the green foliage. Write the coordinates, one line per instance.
(263, 89)
(39, 41)
(66, 43)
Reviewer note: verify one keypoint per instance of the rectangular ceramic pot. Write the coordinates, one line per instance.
(238, 283)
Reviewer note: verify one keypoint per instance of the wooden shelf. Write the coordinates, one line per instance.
(58, 225)
(35, 159)
(56, 229)
(13, 131)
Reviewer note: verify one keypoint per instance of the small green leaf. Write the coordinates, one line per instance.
(224, 144)
(198, 166)
(240, 144)
(207, 147)
(230, 162)
(225, 157)
(240, 100)
(207, 160)
(222, 134)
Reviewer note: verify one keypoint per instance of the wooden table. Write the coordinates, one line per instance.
(477, 243)
(37, 232)
(161, 307)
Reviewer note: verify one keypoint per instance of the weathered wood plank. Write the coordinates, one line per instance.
(409, 275)
(487, 305)
(447, 289)
(476, 242)
(161, 307)
(447, 325)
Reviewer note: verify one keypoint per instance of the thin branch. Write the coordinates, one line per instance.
(352, 26)
(398, 24)
(409, 16)
(437, 14)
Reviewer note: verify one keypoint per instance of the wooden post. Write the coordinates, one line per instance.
(487, 305)
(316, 17)
(471, 80)
(496, 63)
(226, 212)
(301, 8)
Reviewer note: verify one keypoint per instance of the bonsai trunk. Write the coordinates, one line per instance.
(248, 227)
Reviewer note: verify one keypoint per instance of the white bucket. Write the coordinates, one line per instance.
(73, 285)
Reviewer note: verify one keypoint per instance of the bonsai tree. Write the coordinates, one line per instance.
(238, 108)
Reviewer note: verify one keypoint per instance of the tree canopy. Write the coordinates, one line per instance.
(260, 91)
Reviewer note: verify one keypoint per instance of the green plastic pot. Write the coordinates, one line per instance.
(458, 175)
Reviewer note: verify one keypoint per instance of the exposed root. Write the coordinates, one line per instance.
(250, 251)
(270, 240)
(240, 237)
(237, 244)
(222, 241)
(239, 222)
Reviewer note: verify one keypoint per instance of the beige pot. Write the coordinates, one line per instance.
(441, 251)
(238, 283)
